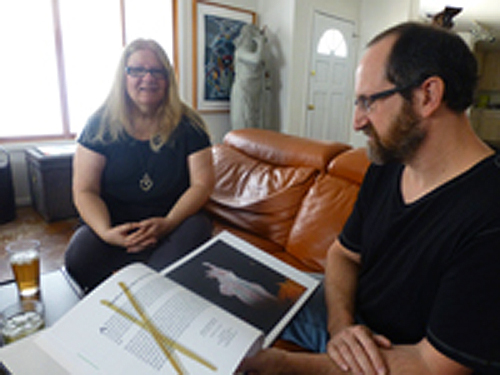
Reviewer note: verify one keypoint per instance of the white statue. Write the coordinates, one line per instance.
(248, 86)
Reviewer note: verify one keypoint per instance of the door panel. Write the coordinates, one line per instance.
(330, 79)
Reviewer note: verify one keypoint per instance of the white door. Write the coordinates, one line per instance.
(330, 79)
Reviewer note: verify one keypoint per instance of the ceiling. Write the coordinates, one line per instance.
(480, 16)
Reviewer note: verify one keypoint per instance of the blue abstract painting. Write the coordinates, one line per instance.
(219, 56)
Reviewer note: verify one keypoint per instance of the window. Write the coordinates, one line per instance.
(59, 58)
(30, 91)
(90, 57)
(332, 42)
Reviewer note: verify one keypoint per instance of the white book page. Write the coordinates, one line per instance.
(245, 281)
(94, 338)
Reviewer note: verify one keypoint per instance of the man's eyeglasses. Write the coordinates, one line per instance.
(365, 103)
(139, 72)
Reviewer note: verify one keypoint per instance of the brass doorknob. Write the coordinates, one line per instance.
(311, 107)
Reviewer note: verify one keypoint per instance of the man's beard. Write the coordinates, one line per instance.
(402, 141)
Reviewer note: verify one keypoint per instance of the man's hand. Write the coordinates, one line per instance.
(357, 349)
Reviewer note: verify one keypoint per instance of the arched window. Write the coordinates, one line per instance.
(332, 42)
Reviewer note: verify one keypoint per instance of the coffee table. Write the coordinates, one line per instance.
(58, 293)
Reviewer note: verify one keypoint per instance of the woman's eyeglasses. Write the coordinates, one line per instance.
(139, 72)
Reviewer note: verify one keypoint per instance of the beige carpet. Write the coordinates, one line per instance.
(30, 225)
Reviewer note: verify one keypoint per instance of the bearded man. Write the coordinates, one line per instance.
(412, 285)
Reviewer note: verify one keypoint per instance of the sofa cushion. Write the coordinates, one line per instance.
(283, 149)
(320, 219)
(326, 208)
(257, 196)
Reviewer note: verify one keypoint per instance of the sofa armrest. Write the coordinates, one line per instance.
(351, 165)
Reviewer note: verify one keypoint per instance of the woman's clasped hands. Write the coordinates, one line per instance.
(138, 236)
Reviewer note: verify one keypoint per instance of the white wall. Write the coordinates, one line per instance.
(388, 13)
(277, 17)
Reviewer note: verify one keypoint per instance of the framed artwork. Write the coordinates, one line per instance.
(215, 26)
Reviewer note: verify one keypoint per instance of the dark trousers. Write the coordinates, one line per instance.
(90, 260)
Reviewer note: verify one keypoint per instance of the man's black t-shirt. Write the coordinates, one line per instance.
(127, 161)
(432, 268)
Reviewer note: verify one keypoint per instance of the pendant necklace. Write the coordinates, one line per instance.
(146, 182)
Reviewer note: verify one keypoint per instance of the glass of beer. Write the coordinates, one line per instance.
(24, 258)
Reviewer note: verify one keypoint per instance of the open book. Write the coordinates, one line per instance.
(201, 315)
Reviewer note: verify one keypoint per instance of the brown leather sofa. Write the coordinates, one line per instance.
(288, 195)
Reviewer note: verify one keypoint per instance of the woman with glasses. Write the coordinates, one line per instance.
(142, 172)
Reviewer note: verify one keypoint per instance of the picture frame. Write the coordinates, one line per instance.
(215, 26)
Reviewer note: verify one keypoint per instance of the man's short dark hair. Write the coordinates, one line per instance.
(422, 51)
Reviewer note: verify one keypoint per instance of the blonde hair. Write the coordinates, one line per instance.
(116, 117)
